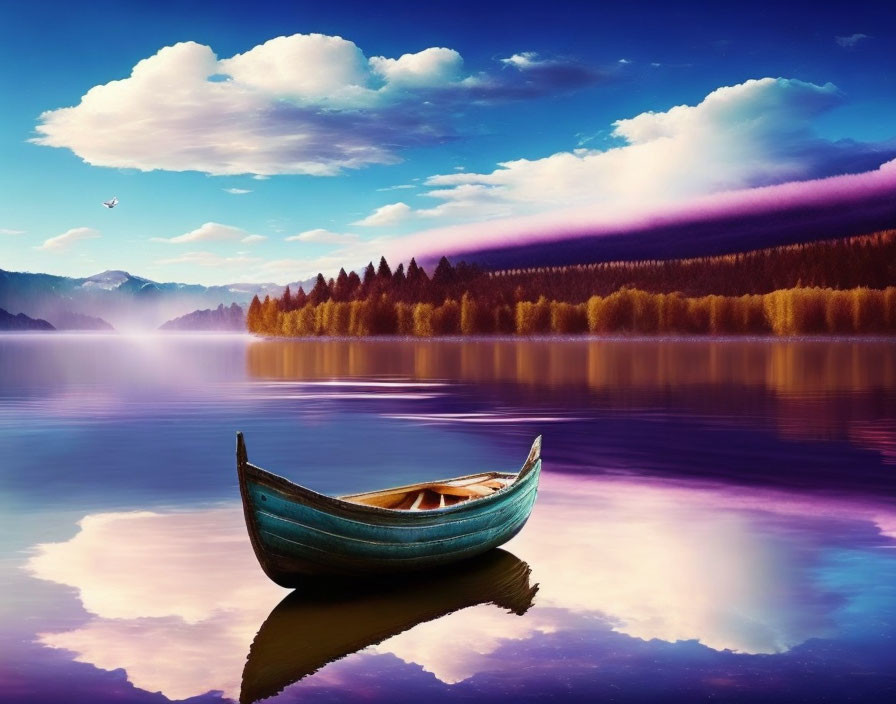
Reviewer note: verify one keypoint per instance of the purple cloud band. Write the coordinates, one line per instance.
(725, 222)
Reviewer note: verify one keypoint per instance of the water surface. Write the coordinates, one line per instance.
(717, 519)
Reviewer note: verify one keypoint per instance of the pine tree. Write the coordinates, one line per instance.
(444, 274)
(341, 291)
(369, 275)
(300, 299)
(384, 273)
(320, 293)
(354, 285)
(286, 301)
(269, 311)
(368, 285)
(399, 281)
(413, 272)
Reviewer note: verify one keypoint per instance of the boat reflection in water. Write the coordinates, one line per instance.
(324, 621)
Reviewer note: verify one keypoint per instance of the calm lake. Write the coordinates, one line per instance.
(717, 519)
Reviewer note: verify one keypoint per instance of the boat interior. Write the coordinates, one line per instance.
(434, 495)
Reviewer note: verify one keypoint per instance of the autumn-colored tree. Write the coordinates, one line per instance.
(475, 317)
(404, 317)
(698, 315)
(838, 313)
(645, 311)
(568, 318)
(504, 320)
(359, 319)
(253, 316)
(446, 318)
(721, 315)
(423, 326)
(289, 324)
(269, 310)
(672, 313)
(332, 318)
(533, 318)
(889, 302)
(305, 320)
(796, 311)
(612, 313)
(868, 312)
(381, 316)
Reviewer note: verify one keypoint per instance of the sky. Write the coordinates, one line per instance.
(266, 141)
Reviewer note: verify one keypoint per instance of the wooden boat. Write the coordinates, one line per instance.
(313, 627)
(297, 532)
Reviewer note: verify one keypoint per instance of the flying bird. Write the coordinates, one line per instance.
(110, 203)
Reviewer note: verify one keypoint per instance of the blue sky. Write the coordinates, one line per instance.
(335, 130)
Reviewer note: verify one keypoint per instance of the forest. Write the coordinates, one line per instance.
(845, 286)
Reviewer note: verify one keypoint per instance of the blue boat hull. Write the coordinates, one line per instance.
(298, 532)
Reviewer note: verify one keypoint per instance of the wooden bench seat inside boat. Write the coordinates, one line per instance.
(427, 496)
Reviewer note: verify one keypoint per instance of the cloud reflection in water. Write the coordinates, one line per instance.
(733, 569)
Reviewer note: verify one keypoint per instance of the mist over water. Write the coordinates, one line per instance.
(716, 518)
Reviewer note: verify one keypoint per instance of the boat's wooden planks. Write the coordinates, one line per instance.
(469, 491)
(361, 543)
(430, 495)
(396, 526)
(381, 498)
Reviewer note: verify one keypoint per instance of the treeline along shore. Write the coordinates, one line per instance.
(845, 286)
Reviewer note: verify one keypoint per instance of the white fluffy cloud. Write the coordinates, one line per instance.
(62, 242)
(321, 236)
(237, 191)
(390, 214)
(398, 187)
(253, 239)
(8, 231)
(308, 67)
(431, 67)
(753, 134)
(212, 232)
(210, 260)
(523, 60)
(299, 104)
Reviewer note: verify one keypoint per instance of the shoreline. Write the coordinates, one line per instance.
(620, 337)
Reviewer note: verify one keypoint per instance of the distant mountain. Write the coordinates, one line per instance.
(8, 321)
(66, 320)
(218, 319)
(122, 299)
